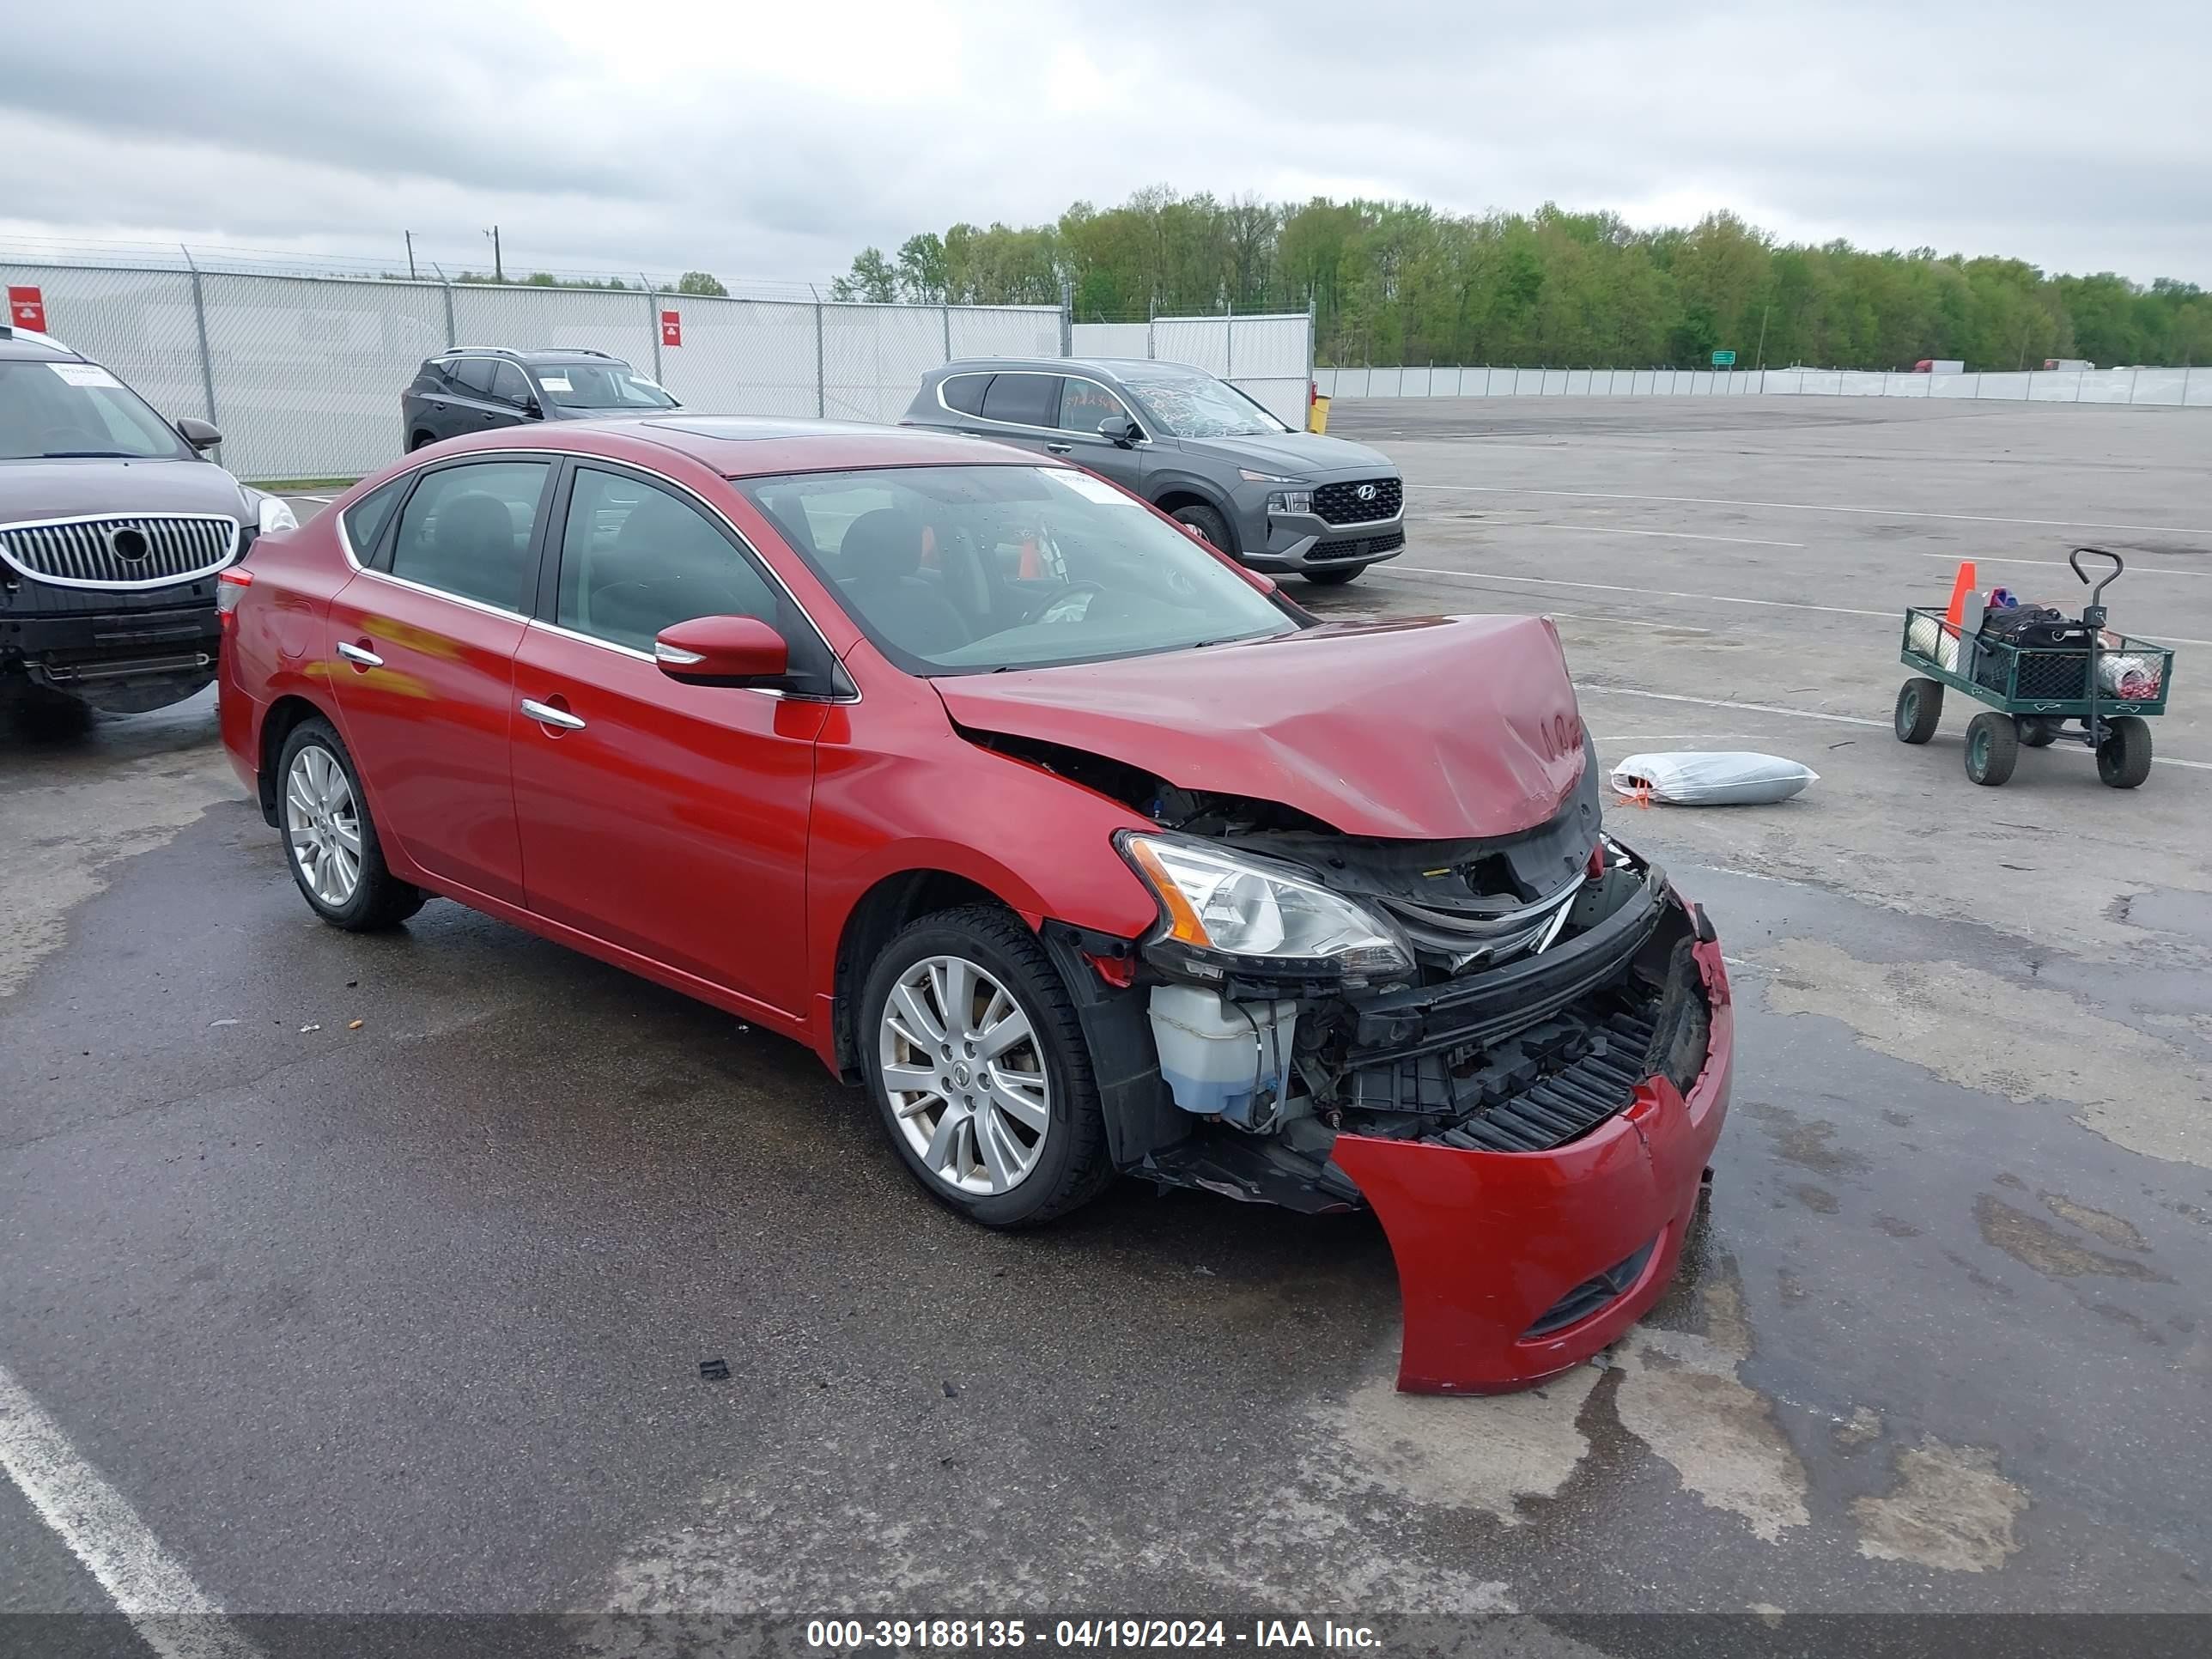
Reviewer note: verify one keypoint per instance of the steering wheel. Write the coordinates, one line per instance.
(1053, 607)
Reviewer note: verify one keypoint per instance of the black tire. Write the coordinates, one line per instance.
(421, 441)
(2037, 733)
(1331, 578)
(1073, 1165)
(1992, 749)
(379, 899)
(1919, 709)
(1208, 524)
(2123, 758)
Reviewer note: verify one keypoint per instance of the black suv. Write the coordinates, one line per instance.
(112, 527)
(477, 388)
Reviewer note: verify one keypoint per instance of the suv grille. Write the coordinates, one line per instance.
(120, 552)
(1339, 503)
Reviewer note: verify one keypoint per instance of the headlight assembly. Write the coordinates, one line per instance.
(1225, 911)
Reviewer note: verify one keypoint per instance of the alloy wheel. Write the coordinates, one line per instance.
(965, 1075)
(322, 821)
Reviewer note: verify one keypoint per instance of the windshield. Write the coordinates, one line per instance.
(1189, 404)
(600, 385)
(50, 412)
(967, 569)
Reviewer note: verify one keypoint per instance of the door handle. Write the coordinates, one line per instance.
(546, 714)
(1059, 449)
(359, 654)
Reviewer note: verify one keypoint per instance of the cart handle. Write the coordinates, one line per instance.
(2097, 593)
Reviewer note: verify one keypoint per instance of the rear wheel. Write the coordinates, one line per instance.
(1331, 578)
(1919, 707)
(977, 1063)
(331, 840)
(1208, 524)
(2038, 734)
(1992, 749)
(420, 439)
(2123, 758)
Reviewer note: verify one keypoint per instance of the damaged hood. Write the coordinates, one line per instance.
(1430, 729)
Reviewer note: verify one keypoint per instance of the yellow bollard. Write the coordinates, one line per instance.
(1317, 414)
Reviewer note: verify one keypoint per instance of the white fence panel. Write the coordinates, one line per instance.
(874, 356)
(1111, 340)
(1005, 331)
(139, 323)
(622, 324)
(742, 356)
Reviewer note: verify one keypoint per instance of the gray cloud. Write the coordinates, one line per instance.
(774, 142)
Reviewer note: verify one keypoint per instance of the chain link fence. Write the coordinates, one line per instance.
(2163, 387)
(303, 374)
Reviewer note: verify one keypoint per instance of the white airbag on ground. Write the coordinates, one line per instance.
(1688, 778)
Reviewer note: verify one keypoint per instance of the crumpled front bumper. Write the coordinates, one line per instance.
(1489, 1245)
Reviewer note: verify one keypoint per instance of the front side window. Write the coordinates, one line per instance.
(1193, 405)
(966, 569)
(466, 530)
(56, 411)
(600, 385)
(1083, 404)
(636, 558)
(510, 385)
(1023, 400)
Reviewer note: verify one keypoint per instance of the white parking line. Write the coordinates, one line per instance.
(1814, 507)
(1984, 558)
(1587, 688)
(1664, 535)
(153, 1590)
(1896, 616)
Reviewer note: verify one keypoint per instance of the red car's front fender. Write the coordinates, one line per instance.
(1487, 1243)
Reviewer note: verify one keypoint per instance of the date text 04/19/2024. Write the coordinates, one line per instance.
(897, 1634)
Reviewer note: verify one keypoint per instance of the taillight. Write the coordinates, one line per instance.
(230, 587)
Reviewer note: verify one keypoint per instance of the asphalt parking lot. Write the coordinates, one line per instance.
(375, 1273)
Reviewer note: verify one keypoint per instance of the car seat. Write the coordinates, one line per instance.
(666, 566)
(881, 551)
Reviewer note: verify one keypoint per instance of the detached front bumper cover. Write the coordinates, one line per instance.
(1514, 1266)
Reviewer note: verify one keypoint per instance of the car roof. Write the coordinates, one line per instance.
(1111, 366)
(761, 446)
(535, 354)
(24, 345)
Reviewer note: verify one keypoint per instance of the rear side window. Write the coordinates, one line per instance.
(1023, 400)
(365, 519)
(965, 392)
(473, 375)
(466, 530)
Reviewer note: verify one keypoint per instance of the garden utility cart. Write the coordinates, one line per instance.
(2109, 683)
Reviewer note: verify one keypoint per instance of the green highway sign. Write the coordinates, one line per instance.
(1724, 360)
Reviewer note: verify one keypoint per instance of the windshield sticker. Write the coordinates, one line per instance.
(1091, 489)
(85, 374)
(555, 383)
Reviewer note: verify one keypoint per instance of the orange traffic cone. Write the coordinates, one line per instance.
(1960, 589)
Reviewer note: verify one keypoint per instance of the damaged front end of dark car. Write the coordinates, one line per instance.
(1513, 1048)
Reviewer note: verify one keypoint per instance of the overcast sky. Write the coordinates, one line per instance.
(774, 140)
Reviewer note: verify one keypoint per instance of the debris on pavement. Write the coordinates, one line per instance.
(714, 1370)
(1694, 778)
(356, 1024)
(304, 1029)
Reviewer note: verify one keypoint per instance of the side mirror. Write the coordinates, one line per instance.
(1121, 428)
(722, 651)
(530, 410)
(197, 433)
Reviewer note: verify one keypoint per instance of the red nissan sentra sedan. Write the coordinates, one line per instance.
(1080, 847)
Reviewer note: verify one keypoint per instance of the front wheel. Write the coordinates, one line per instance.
(330, 840)
(1331, 578)
(1919, 708)
(977, 1063)
(2123, 758)
(1208, 524)
(1992, 749)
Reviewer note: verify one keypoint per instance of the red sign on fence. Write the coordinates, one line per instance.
(27, 308)
(672, 328)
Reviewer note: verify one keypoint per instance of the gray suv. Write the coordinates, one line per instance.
(1194, 447)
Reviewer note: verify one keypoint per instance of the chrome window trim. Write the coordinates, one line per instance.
(491, 456)
(647, 657)
(1023, 425)
(230, 552)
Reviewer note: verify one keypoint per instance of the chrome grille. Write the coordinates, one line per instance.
(1487, 932)
(135, 550)
(1342, 503)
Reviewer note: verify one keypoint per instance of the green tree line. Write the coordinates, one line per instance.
(1402, 282)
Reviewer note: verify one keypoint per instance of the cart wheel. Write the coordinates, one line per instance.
(2123, 758)
(2037, 734)
(1992, 749)
(1919, 706)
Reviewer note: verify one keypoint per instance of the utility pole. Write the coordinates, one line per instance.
(498, 271)
(1763, 316)
(410, 236)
